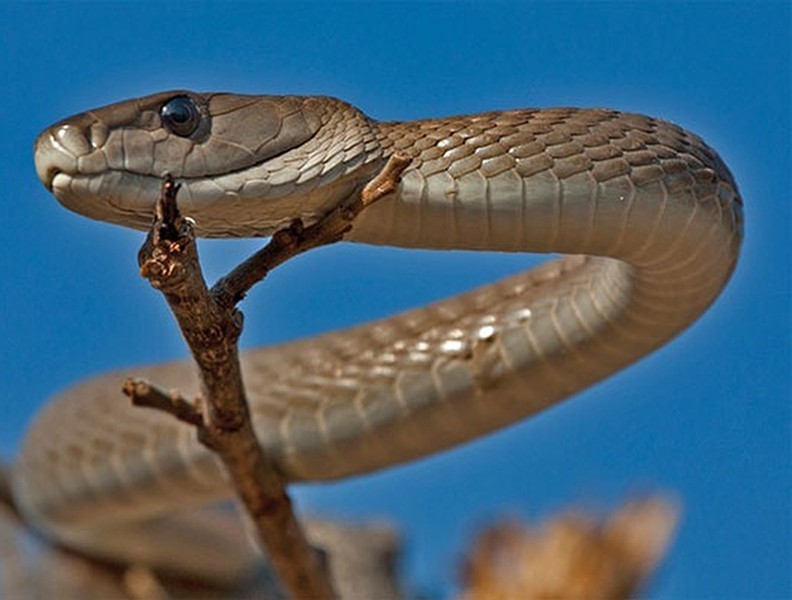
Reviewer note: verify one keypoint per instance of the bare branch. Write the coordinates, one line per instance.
(143, 393)
(169, 260)
(295, 239)
(211, 325)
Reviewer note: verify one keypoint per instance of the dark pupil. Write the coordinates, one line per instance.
(180, 115)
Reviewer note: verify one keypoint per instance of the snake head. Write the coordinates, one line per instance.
(241, 160)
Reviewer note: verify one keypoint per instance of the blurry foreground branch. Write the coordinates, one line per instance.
(572, 555)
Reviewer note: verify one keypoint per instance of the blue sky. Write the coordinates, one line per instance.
(707, 417)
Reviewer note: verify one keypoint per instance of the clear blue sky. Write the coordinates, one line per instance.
(707, 417)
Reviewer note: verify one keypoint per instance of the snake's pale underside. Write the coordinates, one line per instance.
(648, 214)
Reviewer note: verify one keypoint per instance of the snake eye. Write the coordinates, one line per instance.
(180, 116)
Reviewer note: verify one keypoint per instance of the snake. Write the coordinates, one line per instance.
(646, 217)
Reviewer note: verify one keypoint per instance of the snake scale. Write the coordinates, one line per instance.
(648, 214)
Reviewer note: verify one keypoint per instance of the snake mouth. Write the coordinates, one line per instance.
(48, 177)
(115, 197)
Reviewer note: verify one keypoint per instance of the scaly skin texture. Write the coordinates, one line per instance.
(650, 214)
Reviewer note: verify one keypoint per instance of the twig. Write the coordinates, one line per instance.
(144, 393)
(211, 325)
(295, 239)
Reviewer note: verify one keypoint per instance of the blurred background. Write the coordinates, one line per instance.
(707, 416)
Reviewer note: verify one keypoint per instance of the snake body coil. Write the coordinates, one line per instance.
(649, 213)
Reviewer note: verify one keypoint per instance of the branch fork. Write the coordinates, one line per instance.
(211, 325)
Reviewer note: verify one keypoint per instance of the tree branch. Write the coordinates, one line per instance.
(295, 239)
(211, 325)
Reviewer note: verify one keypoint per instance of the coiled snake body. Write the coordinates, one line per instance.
(649, 213)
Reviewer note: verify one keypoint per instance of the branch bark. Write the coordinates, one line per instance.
(211, 326)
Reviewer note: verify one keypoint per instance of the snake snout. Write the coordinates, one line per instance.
(72, 161)
(58, 150)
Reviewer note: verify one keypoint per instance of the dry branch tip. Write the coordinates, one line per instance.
(386, 180)
(145, 394)
(167, 217)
